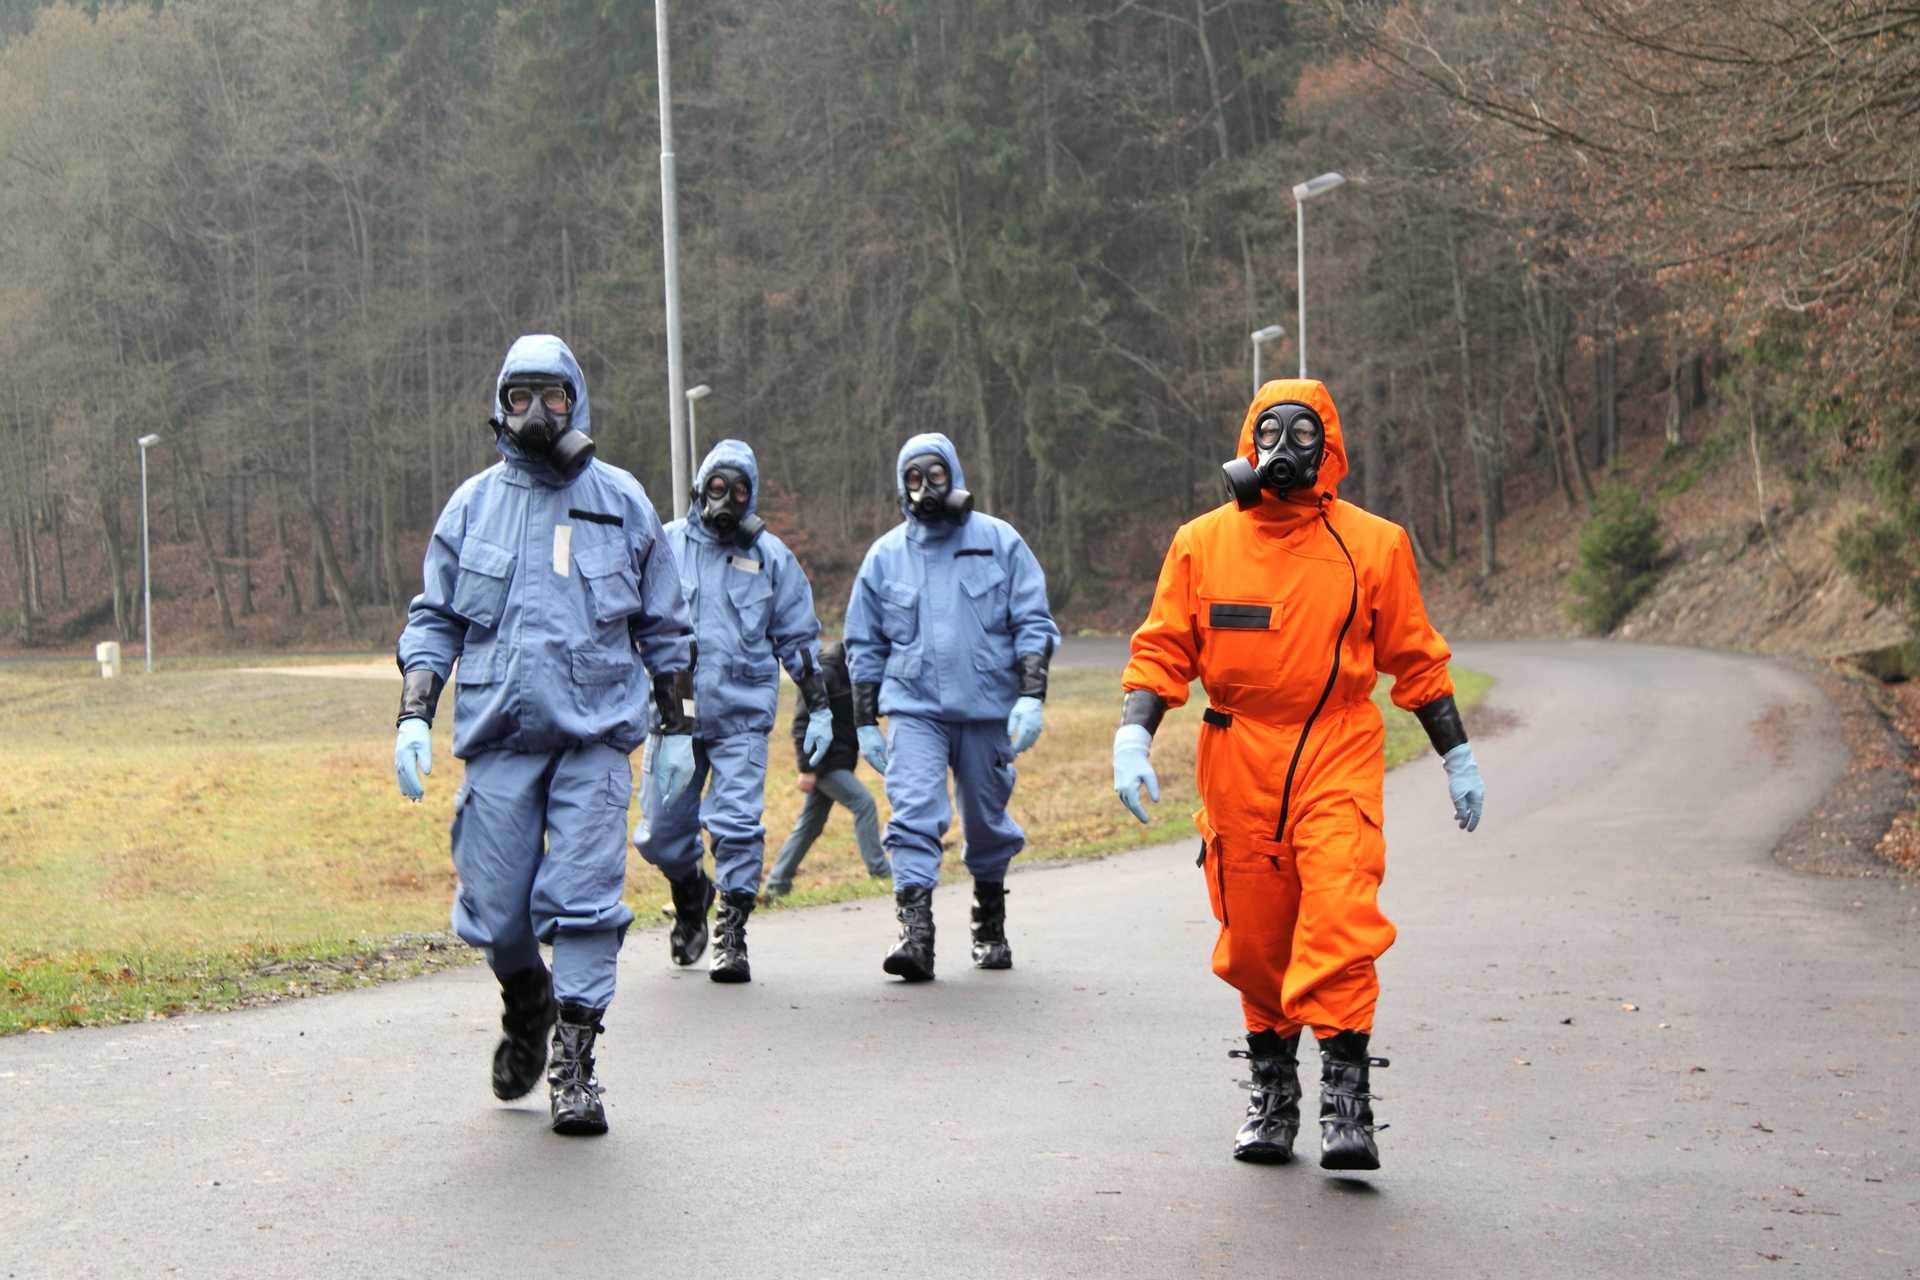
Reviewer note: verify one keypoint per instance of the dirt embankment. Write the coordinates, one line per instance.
(1733, 580)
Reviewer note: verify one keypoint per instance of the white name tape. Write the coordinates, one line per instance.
(745, 565)
(563, 549)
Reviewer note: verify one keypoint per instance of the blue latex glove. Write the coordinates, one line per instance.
(873, 747)
(1132, 770)
(1464, 785)
(819, 735)
(412, 756)
(1024, 725)
(672, 770)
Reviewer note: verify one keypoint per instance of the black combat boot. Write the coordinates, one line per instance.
(692, 898)
(1273, 1112)
(990, 947)
(1346, 1119)
(570, 1081)
(730, 938)
(522, 1053)
(912, 956)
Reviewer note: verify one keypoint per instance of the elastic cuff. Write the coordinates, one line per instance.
(1143, 707)
(1441, 719)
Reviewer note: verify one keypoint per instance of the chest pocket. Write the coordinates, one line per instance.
(986, 586)
(613, 590)
(1240, 642)
(752, 598)
(480, 590)
(899, 611)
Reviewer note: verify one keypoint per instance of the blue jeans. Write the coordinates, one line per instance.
(839, 785)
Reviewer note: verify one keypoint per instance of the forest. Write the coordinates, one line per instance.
(293, 240)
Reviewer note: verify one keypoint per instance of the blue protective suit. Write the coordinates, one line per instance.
(753, 614)
(938, 615)
(543, 590)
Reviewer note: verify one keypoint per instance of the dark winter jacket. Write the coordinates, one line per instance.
(845, 751)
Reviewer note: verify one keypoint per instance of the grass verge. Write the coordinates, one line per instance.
(207, 839)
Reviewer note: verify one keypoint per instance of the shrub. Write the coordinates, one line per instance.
(1619, 551)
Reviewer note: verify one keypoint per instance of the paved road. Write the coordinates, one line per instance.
(1753, 1111)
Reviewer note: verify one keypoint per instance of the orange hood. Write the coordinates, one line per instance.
(1313, 394)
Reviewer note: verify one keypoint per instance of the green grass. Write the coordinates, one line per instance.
(204, 839)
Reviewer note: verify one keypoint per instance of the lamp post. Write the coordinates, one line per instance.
(670, 254)
(1259, 336)
(146, 556)
(1302, 193)
(694, 395)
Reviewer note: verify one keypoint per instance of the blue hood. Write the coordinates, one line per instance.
(540, 353)
(727, 453)
(925, 442)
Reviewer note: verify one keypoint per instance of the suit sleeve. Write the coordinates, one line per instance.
(1028, 614)
(794, 630)
(435, 634)
(1166, 648)
(662, 630)
(1405, 645)
(867, 647)
(799, 729)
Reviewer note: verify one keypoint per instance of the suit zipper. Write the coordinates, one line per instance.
(1353, 605)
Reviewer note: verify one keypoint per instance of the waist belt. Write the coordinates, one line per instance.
(1217, 718)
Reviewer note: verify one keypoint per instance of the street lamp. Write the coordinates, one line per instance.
(1302, 193)
(146, 555)
(694, 395)
(1259, 336)
(670, 261)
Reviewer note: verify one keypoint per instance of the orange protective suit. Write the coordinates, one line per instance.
(1256, 604)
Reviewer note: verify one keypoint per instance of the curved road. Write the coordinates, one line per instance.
(1753, 1109)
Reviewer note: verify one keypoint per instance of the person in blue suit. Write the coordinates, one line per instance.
(753, 612)
(948, 636)
(546, 572)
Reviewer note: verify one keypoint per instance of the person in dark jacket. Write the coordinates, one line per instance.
(829, 781)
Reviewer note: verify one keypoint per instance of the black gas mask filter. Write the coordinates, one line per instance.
(1289, 441)
(930, 492)
(536, 414)
(723, 501)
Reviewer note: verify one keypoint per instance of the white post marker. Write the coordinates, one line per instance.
(107, 654)
(1259, 336)
(146, 559)
(1303, 192)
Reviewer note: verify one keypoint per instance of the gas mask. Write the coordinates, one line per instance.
(1288, 443)
(930, 492)
(537, 416)
(723, 502)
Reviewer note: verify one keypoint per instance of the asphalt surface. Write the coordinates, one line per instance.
(1625, 1042)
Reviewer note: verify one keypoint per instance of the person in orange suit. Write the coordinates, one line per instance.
(1284, 603)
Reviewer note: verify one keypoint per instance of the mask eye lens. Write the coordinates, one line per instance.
(741, 492)
(914, 479)
(555, 398)
(1306, 432)
(716, 487)
(518, 399)
(1266, 433)
(936, 475)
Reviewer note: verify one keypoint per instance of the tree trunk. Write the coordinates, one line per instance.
(323, 548)
(246, 552)
(116, 562)
(202, 527)
(289, 580)
(59, 549)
